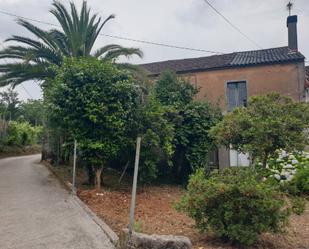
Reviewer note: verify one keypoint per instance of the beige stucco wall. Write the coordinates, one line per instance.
(286, 79)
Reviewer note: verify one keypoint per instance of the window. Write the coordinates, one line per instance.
(236, 94)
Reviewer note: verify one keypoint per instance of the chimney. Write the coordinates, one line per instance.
(292, 29)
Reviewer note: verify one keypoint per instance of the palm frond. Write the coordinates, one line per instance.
(114, 54)
(16, 73)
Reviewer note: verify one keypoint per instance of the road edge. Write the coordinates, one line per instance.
(105, 228)
(113, 237)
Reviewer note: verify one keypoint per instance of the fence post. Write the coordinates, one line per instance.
(74, 169)
(133, 200)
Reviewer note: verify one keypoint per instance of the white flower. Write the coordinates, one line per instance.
(294, 161)
(288, 166)
(293, 172)
(283, 154)
(289, 177)
(277, 176)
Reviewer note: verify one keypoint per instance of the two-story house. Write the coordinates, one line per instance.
(230, 79)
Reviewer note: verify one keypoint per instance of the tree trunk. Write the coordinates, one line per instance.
(264, 162)
(98, 174)
(91, 175)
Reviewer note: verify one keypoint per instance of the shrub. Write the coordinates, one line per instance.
(234, 205)
(289, 171)
(298, 205)
(270, 122)
(301, 180)
(22, 134)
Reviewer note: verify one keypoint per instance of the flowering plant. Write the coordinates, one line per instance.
(285, 165)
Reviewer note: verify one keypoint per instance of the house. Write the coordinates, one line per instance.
(230, 79)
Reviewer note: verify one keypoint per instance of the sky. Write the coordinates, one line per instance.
(186, 23)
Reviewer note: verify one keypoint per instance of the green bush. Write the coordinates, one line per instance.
(301, 180)
(234, 205)
(22, 134)
(298, 205)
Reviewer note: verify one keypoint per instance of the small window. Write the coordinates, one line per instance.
(236, 94)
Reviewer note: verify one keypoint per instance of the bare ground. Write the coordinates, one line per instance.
(155, 213)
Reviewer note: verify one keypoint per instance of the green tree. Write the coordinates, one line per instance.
(192, 140)
(32, 111)
(270, 122)
(95, 101)
(171, 90)
(9, 102)
(157, 143)
(75, 38)
(191, 121)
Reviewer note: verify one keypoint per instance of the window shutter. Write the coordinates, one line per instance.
(231, 96)
(242, 94)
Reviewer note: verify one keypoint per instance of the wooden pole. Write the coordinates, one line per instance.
(74, 169)
(133, 200)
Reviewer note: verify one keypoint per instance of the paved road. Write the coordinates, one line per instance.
(36, 212)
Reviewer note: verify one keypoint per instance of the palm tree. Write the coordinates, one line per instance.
(33, 58)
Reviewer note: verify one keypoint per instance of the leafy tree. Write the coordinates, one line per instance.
(191, 121)
(32, 111)
(173, 91)
(9, 102)
(95, 101)
(75, 38)
(192, 140)
(270, 122)
(157, 143)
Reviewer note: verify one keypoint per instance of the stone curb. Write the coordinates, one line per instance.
(104, 227)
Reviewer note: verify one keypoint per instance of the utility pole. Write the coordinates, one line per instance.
(74, 168)
(133, 199)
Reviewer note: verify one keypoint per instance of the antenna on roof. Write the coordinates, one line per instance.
(289, 7)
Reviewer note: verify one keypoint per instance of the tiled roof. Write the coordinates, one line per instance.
(237, 59)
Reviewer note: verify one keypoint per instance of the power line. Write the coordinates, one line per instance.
(161, 44)
(120, 37)
(25, 89)
(230, 23)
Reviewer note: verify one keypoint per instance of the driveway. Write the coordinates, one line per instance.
(36, 212)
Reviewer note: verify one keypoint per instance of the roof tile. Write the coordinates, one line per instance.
(237, 59)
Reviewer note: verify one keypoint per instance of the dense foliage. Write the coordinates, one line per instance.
(269, 123)
(171, 90)
(157, 140)
(192, 140)
(191, 120)
(96, 102)
(22, 134)
(234, 204)
(32, 111)
(9, 105)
